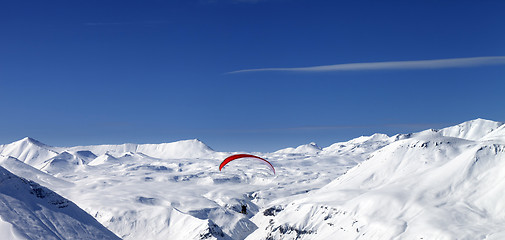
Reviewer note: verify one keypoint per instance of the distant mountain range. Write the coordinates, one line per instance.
(434, 184)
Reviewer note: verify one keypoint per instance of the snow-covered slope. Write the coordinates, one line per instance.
(28, 150)
(428, 186)
(433, 184)
(472, 130)
(65, 162)
(497, 135)
(181, 149)
(360, 146)
(310, 148)
(30, 211)
(24, 170)
(103, 159)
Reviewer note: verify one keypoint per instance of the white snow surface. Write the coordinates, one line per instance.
(472, 130)
(30, 211)
(182, 149)
(311, 148)
(434, 184)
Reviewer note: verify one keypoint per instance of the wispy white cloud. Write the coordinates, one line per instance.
(419, 64)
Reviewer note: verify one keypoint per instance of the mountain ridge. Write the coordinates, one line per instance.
(452, 179)
(472, 130)
(381, 186)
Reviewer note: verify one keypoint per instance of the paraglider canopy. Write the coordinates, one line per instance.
(237, 156)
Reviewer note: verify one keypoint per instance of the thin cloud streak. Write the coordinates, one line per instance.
(396, 65)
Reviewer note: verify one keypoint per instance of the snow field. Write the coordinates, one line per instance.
(435, 184)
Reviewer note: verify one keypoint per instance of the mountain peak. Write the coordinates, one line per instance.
(472, 130)
(306, 148)
(29, 139)
(198, 142)
(481, 121)
(32, 141)
(29, 151)
(314, 145)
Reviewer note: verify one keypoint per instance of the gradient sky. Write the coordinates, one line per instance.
(96, 72)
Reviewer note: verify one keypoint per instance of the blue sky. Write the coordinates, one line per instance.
(95, 72)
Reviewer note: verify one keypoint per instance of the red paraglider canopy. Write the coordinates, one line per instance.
(237, 156)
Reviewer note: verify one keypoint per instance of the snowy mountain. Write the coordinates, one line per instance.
(472, 130)
(430, 186)
(66, 161)
(433, 184)
(29, 150)
(103, 159)
(360, 146)
(181, 149)
(496, 135)
(30, 211)
(310, 148)
(20, 168)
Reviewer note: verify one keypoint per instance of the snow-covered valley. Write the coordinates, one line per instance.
(434, 184)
